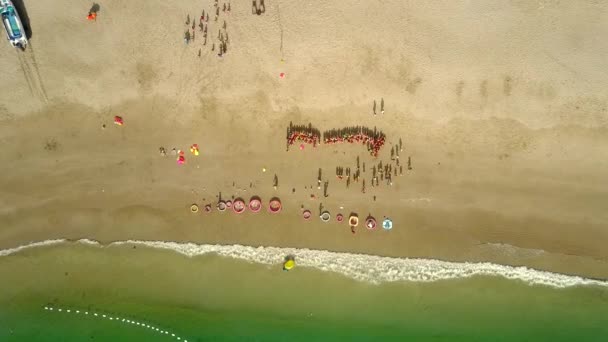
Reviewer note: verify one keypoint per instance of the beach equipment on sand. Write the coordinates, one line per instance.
(325, 216)
(181, 160)
(92, 16)
(229, 204)
(221, 206)
(282, 75)
(387, 224)
(208, 208)
(306, 214)
(239, 206)
(194, 149)
(194, 208)
(275, 205)
(353, 221)
(118, 120)
(339, 217)
(255, 204)
(370, 223)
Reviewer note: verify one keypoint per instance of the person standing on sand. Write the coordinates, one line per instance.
(382, 105)
(374, 107)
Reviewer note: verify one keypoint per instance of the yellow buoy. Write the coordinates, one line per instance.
(289, 264)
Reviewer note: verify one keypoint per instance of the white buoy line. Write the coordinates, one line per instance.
(115, 318)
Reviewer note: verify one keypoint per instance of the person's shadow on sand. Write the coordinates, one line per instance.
(95, 8)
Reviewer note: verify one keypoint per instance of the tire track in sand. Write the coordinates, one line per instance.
(31, 73)
(26, 71)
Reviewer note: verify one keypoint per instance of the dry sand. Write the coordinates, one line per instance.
(502, 106)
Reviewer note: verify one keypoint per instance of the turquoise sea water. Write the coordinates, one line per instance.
(212, 298)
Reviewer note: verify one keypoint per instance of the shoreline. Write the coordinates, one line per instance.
(362, 267)
(111, 185)
(508, 143)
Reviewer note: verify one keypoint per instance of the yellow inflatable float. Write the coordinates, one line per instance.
(289, 264)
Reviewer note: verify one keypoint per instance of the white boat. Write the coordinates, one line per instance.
(12, 24)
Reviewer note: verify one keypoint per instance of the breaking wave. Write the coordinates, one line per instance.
(370, 268)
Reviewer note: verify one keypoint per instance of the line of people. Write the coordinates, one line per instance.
(306, 134)
(373, 138)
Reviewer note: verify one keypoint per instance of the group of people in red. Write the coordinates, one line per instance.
(373, 138)
(305, 134)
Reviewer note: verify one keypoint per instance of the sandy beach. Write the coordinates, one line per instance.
(500, 105)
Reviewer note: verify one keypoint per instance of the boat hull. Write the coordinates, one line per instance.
(13, 25)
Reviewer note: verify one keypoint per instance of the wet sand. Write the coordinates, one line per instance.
(506, 128)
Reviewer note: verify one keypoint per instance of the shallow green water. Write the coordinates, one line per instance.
(210, 298)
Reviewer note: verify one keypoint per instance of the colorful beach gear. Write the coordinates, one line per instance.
(370, 223)
(255, 204)
(194, 149)
(275, 205)
(353, 221)
(221, 206)
(238, 206)
(387, 224)
(289, 264)
(325, 216)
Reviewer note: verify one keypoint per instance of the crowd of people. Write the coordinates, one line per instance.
(301, 133)
(203, 24)
(373, 138)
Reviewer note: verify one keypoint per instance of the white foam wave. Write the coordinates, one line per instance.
(370, 268)
(10, 251)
